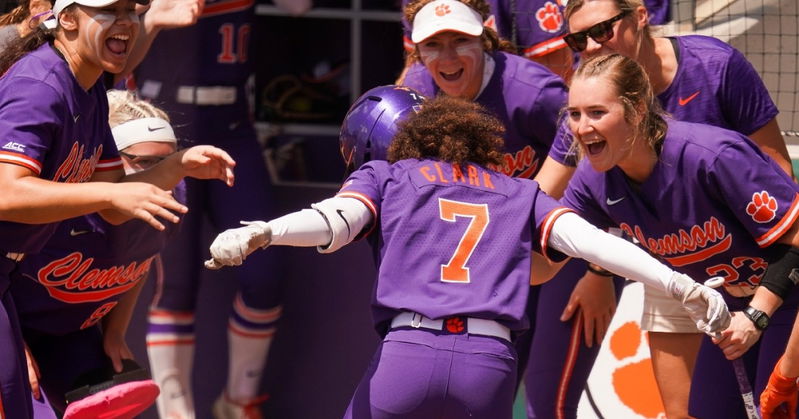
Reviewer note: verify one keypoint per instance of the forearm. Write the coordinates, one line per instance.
(766, 301)
(790, 361)
(118, 319)
(37, 201)
(575, 237)
(165, 175)
(305, 228)
(770, 140)
(143, 42)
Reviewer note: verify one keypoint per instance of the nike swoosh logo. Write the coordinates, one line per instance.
(75, 118)
(685, 101)
(154, 129)
(341, 214)
(614, 201)
(74, 232)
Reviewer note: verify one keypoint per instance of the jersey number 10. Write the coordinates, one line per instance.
(234, 43)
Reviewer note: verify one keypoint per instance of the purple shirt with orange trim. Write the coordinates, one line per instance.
(85, 268)
(714, 84)
(52, 126)
(711, 205)
(452, 240)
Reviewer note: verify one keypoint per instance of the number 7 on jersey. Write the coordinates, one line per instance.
(456, 270)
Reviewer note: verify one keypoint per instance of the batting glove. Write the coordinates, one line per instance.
(232, 246)
(704, 305)
(778, 399)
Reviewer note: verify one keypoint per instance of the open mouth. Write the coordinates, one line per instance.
(117, 44)
(595, 147)
(451, 76)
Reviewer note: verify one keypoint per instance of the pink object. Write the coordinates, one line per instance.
(121, 401)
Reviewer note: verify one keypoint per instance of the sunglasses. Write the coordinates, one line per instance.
(601, 32)
(143, 161)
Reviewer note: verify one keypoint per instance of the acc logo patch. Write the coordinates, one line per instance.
(549, 17)
(763, 207)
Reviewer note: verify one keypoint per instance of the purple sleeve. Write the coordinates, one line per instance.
(30, 119)
(580, 196)
(364, 185)
(561, 150)
(756, 190)
(545, 211)
(748, 109)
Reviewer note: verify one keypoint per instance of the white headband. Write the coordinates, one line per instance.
(143, 130)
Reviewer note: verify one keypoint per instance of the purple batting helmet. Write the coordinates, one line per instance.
(371, 123)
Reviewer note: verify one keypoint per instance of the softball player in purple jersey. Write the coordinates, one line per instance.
(696, 79)
(201, 76)
(453, 243)
(59, 156)
(91, 271)
(703, 199)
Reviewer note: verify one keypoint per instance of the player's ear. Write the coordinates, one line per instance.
(641, 17)
(68, 21)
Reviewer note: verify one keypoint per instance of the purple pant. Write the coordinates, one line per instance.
(559, 362)
(247, 200)
(714, 389)
(419, 373)
(15, 390)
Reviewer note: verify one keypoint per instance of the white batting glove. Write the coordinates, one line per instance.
(704, 305)
(232, 246)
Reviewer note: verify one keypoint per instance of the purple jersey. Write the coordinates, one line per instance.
(85, 267)
(52, 126)
(711, 204)
(453, 240)
(525, 96)
(714, 84)
(204, 89)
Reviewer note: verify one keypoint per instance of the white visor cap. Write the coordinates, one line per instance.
(445, 15)
(60, 5)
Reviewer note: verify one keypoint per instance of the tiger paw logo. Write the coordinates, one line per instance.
(634, 381)
(442, 10)
(763, 207)
(455, 325)
(549, 18)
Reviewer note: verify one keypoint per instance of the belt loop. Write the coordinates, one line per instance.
(416, 323)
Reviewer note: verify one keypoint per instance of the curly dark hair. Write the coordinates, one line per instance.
(452, 130)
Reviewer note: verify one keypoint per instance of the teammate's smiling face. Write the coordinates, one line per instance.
(597, 120)
(627, 32)
(455, 61)
(107, 34)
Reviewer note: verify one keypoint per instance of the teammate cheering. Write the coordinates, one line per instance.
(59, 159)
(454, 241)
(695, 78)
(702, 198)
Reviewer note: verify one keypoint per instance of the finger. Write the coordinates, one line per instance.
(149, 219)
(602, 328)
(116, 361)
(568, 312)
(589, 331)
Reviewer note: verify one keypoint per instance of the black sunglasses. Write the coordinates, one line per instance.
(601, 32)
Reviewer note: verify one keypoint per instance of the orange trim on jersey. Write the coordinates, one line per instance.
(2, 411)
(366, 201)
(546, 227)
(543, 48)
(21, 160)
(248, 334)
(703, 254)
(187, 341)
(256, 315)
(568, 367)
(783, 226)
(226, 7)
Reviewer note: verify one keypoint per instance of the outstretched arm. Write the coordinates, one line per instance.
(330, 225)
(575, 237)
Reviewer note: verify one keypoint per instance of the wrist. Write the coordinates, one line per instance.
(596, 269)
(781, 381)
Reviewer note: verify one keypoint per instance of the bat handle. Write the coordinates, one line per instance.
(745, 388)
